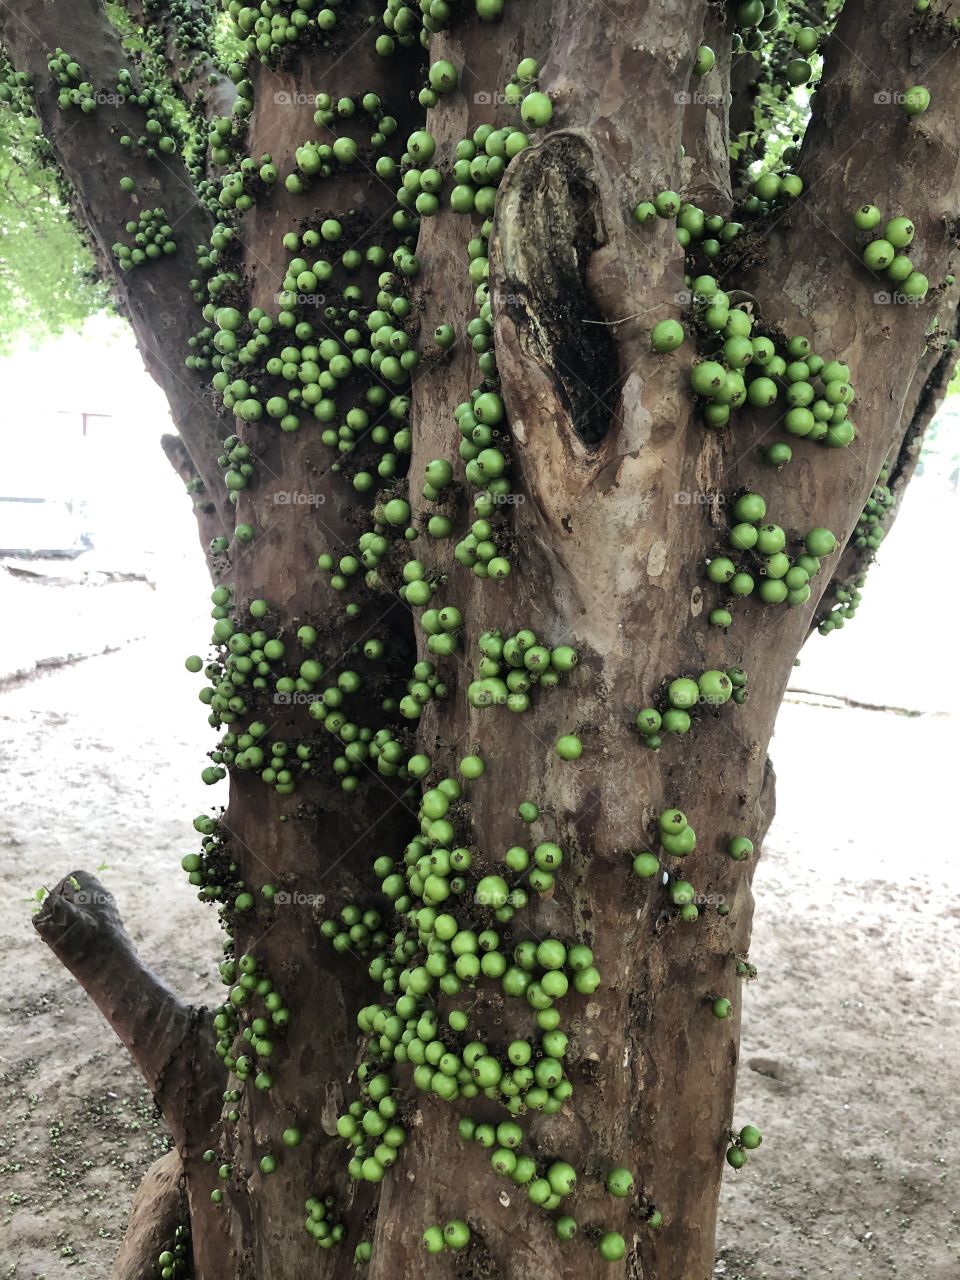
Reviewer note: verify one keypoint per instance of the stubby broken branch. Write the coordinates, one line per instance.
(165, 1036)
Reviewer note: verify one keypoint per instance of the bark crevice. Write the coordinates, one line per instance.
(551, 224)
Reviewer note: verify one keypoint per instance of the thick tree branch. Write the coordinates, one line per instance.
(209, 524)
(925, 396)
(707, 124)
(806, 267)
(87, 149)
(745, 76)
(167, 1039)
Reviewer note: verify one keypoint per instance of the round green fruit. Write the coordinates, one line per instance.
(645, 865)
(569, 747)
(916, 100)
(620, 1182)
(750, 1137)
(666, 336)
(612, 1246)
(536, 110)
(820, 542)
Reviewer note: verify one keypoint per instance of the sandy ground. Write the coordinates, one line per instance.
(851, 1048)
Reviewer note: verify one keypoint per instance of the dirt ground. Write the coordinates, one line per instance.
(851, 1049)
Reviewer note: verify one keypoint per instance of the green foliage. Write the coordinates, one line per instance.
(48, 277)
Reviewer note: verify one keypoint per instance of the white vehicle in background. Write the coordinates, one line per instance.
(43, 527)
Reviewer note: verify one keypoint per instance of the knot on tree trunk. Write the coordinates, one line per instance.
(550, 223)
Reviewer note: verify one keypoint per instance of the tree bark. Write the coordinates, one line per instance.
(154, 1217)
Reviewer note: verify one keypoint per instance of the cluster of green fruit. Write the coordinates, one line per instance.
(209, 257)
(425, 684)
(193, 34)
(152, 238)
(322, 160)
(869, 531)
(454, 1235)
(867, 537)
(313, 368)
(748, 1139)
(806, 42)
(178, 1259)
(768, 191)
(694, 228)
(236, 461)
(74, 90)
(795, 53)
(418, 590)
(254, 663)
(16, 89)
(322, 1224)
(762, 554)
(683, 695)
(481, 160)
(444, 1066)
(677, 839)
(482, 448)
(547, 1184)
(239, 187)
(815, 412)
(743, 364)
(225, 135)
(374, 546)
(477, 168)
(442, 629)
(269, 29)
(255, 1011)
(847, 597)
(163, 133)
(528, 663)
(434, 951)
(522, 83)
(405, 26)
(755, 19)
(884, 252)
(250, 664)
(213, 872)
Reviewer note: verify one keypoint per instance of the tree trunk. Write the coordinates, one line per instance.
(619, 495)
